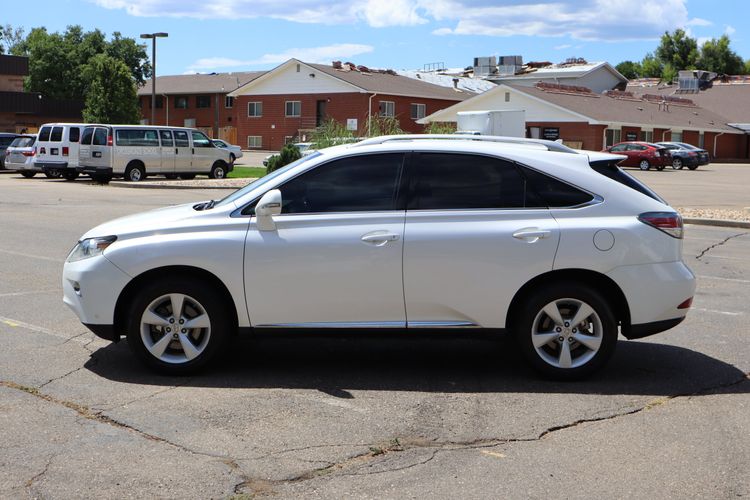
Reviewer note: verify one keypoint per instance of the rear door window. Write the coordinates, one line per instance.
(56, 134)
(88, 134)
(100, 137)
(74, 134)
(446, 181)
(44, 133)
(166, 138)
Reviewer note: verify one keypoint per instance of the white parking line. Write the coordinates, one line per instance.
(722, 279)
(20, 294)
(726, 313)
(30, 256)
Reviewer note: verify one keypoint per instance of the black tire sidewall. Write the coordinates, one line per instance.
(208, 298)
(129, 173)
(216, 168)
(537, 300)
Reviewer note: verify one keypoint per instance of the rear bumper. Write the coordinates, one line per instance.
(46, 166)
(645, 329)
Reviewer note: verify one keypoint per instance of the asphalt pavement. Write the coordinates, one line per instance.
(346, 416)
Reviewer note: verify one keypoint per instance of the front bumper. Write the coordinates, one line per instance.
(91, 288)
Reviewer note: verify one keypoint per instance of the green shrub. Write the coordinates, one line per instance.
(287, 155)
(330, 133)
(440, 128)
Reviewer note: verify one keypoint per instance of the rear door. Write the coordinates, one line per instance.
(474, 235)
(183, 152)
(72, 143)
(168, 152)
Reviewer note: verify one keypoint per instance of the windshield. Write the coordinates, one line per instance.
(263, 180)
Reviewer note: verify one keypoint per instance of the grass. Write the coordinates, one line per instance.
(246, 172)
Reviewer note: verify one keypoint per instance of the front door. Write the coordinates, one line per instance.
(204, 153)
(474, 236)
(335, 258)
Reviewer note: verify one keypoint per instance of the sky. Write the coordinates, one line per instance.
(247, 35)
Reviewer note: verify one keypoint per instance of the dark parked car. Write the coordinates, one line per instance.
(685, 155)
(5, 139)
(643, 155)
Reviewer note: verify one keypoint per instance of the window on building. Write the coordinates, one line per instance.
(647, 135)
(507, 97)
(203, 101)
(387, 108)
(611, 136)
(181, 102)
(255, 109)
(159, 102)
(228, 101)
(702, 140)
(254, 141)
(293, 108)
(676, 136)
(418, 111)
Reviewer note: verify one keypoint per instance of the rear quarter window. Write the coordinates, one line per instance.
(553, 192)
(609, 168)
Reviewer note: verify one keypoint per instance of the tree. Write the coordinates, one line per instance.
(287, 155)
(651, 67)
(9, 38)
(669, 73)
(57, 61)
(716, 56)
(111, 96)
(678, 50)
(629, 69)
(746, 71)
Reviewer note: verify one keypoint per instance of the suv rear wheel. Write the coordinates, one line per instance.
(566, 331)
(135, 172)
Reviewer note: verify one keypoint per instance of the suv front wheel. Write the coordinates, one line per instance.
(566, 331)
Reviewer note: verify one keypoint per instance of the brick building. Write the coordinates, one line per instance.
(198, 101)
(26, 111)
(288, 102)
(589, 120)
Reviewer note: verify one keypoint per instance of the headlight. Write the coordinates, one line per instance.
(90, 247)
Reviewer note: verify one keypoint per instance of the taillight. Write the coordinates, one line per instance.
(66, 151)
(28, 153)
(686, 304)
(668, 222)
(109, 140)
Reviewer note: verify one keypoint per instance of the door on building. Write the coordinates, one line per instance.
(320, 112)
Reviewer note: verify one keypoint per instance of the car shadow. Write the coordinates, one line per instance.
(338, 364)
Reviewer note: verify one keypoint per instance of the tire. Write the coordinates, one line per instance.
(101, 178)
(232, 158)
(170, 176)
(692, 167)
(70, 175)
(644, 165)
(677, 164)
(151, 325)
(53, 173)
(28, 175)
(660, 168)
(135, 173)
(579, 354)
(187, 177)
(218, 171)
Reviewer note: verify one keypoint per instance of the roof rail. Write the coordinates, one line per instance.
(550, 145)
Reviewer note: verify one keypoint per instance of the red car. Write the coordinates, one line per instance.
(642, 154)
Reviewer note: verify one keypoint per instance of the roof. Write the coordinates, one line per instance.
(475, 85)
(393, 84)
(563, 71)
(620, 107)
(367, 81)
(211, 83)
(14, 65)
(732, 101)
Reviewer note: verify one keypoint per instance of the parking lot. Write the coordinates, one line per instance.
(330, 417)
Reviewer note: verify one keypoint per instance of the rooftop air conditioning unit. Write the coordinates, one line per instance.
(484, 66)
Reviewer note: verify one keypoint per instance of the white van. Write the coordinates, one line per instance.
(57, 149)
(136, 151)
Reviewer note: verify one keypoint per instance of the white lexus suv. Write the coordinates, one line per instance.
(558, 247)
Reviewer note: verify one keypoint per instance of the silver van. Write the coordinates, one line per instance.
(136, 151)
(57, 149)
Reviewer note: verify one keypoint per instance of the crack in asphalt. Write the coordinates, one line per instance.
(725, 240)
(262, 487)
(30, 483)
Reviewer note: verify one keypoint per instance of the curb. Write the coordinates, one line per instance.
(718, 222)
(147, 185)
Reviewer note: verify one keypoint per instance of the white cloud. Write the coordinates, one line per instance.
(729, 30)
(563, 46)
(323, 55)
(608, 20)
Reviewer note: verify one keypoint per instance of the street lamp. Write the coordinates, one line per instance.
(153, 37)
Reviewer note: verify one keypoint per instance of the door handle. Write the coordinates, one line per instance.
(531, 234)
(176, 151)
(379, 238)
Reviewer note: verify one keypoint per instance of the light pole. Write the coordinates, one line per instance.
(153, 37)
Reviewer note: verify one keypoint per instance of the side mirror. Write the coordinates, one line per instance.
(268, 206)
